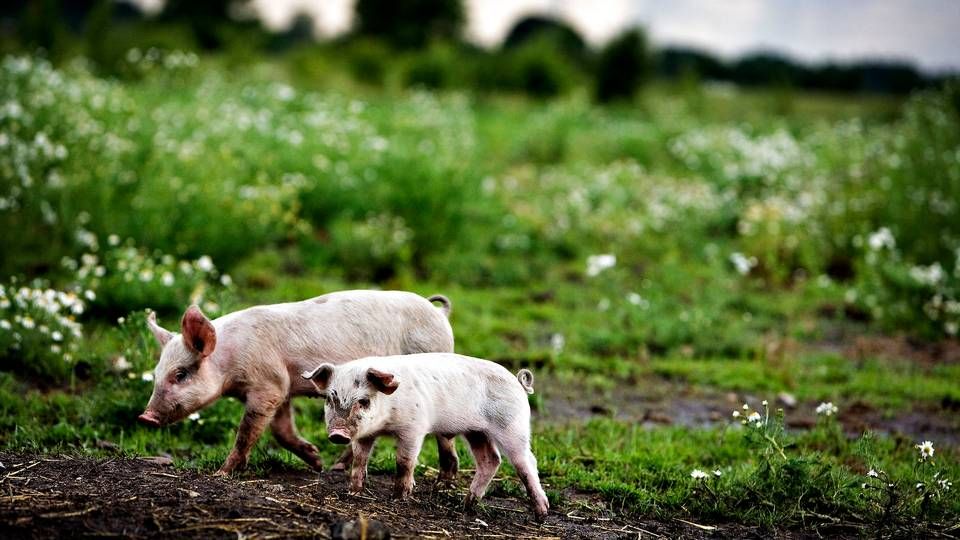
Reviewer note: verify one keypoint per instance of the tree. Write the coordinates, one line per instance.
(623, 66)
(539, 28)
(409, 24)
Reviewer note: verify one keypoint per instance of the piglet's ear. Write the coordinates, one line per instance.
(163, 335)
(384, 382)
(320, 375)
(198, 333)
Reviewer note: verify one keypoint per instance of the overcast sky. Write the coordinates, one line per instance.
(925, 31)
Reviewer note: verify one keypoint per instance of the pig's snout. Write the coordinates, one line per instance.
(149, 418)
(339, 436)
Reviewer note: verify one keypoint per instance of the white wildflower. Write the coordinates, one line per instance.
(56, 335)
(873, 474)
(5, 324)
(205, 263)
(194, 416)
(736, 414)
(827, 409)
(599, 263)
(27, 323)
(146, 376)
(742, 263)
(167, 279)
(927, 275)
(697, 474)
(718, 473)
(926, 450)
(557, 342)
(882, 238)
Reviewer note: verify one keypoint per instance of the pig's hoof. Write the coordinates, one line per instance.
(447, 477)
(222, 473)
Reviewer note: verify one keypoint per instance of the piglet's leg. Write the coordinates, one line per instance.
(449, 461)
(408, 448)
(345, 459)
(285, 431)
(251, 427)
(517, 449)
(361, 455)
(487, 458)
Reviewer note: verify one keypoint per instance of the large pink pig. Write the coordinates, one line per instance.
(256, 355)
(409, 396)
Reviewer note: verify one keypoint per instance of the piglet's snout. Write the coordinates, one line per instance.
(338, 436)
(149, 418)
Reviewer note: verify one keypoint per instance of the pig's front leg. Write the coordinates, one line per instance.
(251, 427)
(285, 431)
(361, 455)
(408, 448)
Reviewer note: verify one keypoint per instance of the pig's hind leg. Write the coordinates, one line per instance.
(487, 460)
(285, 431)
(515, 443)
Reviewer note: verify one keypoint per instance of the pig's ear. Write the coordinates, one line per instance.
(198, 333)
(320, 375)
(384, 382)
(163, 335)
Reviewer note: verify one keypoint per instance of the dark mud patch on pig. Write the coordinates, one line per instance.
(66, 496)
(660, 402)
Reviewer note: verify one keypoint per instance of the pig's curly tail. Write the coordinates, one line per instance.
(525, 376)
(445, 304)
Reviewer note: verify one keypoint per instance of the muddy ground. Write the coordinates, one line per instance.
(668, 402)
(71, 496)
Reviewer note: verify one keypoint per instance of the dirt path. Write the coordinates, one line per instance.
(666, 402)
(65, 496)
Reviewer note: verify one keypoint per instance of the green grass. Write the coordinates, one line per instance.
(818, 377)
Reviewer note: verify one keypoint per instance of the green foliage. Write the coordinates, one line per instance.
(623, 66)
(409, 23)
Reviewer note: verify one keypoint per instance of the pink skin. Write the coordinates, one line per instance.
(410, 396)
(256, 355)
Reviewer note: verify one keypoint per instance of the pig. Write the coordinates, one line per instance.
(447, 394)
(257, 354)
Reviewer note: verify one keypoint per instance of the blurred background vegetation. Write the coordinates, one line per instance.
(621, 214)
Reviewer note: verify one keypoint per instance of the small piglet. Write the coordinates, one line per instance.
(257, 355)
(442, 393)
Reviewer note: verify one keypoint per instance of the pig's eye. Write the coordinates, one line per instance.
(364, 402)
(180, 375)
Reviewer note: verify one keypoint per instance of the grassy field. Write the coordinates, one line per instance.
(733, 247)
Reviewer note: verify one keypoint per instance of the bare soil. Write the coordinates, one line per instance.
(70, 496)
